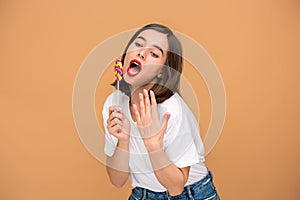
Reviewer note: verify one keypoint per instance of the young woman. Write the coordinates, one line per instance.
(152, 136)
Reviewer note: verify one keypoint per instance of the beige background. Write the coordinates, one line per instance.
(43, 43)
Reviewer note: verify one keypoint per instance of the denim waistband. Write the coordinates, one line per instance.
(188, 190)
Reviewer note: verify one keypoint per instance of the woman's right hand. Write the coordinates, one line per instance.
(117, 124)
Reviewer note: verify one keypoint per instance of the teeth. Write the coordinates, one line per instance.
(134, 64)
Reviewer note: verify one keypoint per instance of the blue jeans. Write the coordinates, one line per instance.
(201, 190)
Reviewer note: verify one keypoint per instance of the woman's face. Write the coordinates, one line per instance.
(145, 58)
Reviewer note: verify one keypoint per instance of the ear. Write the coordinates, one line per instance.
(159, 74)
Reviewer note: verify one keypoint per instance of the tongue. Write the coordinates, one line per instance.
(133, 71)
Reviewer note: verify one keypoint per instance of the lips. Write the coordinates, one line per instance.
(134, 68)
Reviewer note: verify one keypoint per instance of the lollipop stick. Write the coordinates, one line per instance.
(118, 87)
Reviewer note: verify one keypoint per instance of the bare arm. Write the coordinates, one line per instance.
(168, 174)
(117, 166)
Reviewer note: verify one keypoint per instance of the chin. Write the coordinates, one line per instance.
(137, 82)
(127, 79)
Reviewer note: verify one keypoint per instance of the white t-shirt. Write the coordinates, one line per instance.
(181, 143)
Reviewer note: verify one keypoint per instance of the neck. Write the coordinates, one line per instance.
(134, 99)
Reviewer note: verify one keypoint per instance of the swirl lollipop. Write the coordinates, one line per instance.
(118, 71)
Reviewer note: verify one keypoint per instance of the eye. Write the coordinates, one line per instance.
(154, 54)
(137, 44)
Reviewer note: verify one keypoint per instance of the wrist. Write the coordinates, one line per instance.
(152, 146)
(123, 144)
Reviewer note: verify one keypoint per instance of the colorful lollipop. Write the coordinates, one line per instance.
(118, 70)
(119, 75)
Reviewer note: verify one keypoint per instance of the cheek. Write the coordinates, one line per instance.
(152, 70)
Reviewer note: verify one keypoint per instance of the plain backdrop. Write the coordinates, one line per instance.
(255, 45)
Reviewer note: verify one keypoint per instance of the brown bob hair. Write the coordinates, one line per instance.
(168, 83)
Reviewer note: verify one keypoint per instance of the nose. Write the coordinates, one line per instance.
(142, 53)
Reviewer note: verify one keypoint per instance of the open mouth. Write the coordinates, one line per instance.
(134, 68)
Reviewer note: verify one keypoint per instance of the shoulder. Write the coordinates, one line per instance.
(179, 110)
(181, 125)
(174, 105)
(112, 99)
(108, 101)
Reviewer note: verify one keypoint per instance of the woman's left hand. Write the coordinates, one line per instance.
(149, 125)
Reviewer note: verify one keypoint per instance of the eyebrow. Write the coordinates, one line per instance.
(154, 45)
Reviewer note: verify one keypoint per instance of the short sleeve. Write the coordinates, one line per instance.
(179, 140)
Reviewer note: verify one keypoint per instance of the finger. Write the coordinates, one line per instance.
(136, 114)
(114, 115)
(142, 105)
(110, 126)
(111, 109)
(115, 130)
(153, 104)
(113, 123)
(114, 108)
(166, 120)
(147, 104)
(117, 121)
(153, 99)
(121, 116)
